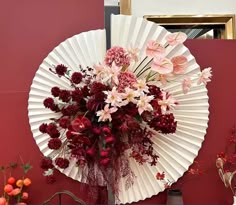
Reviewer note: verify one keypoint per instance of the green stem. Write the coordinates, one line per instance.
(143, 71)
(140, 64)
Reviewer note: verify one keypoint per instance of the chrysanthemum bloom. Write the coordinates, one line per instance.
(76, 77)
(61, 69)
(63, 163)
(54, 143)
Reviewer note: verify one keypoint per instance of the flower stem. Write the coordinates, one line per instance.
(143, 71)
(140, 64)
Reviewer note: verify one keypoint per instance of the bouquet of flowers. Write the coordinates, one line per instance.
(111, 112)
(15, 190)
(226, 163)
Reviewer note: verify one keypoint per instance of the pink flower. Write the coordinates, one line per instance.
(118, 55)
(167, 102)
(186, 84)
(180, 64)
(176, 38)
(105, 114)
(133, 53)
(104, 153)
(25, 195)
(153, 49)
(126, 79)
(162, 65)
(205, 76)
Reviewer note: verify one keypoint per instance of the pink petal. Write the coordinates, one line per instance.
(186, 84)
(162, 65)
(180, 64)
(176, 38)
(154, 48)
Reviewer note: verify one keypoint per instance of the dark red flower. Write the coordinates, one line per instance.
(55, 91)
(110, 139)
(65, 95)
(97, 87)
(46, 163)
(64, 122)
(105, 161)
(70, 110)
(96, 130)
(62, 163)
(155, 91)
(43, 128)
(160, 176)
(85, 91)
(91, 151)
(104, 153)
(80, 124)
(50, 179)
(106, 130)
(48, 102)
(69, 135)
(52, 130)
(54, 143)
(76, 77)
(76, 95)
(61, 69)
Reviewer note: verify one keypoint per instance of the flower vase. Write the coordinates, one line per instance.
(174, 196)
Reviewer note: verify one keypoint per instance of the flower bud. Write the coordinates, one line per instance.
(110, 139)
(105, 161)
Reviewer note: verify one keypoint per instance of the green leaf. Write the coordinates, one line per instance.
(12, 165)
(26, 167)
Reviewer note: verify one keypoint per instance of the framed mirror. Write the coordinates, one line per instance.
(216, 26)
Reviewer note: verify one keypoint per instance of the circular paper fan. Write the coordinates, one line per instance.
(176, 151)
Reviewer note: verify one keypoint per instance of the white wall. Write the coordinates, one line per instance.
(111, 2)
(182, 7)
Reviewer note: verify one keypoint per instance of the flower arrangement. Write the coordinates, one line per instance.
(15, 190)
(111, 112)
(226, 162)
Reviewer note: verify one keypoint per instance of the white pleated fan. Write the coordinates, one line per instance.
(176, 151)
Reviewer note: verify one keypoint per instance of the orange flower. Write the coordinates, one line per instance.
(3, 201)
(25, 195)
(19, 183)
(8, 188)
(27, 182)
(15, 191)
(11, 180)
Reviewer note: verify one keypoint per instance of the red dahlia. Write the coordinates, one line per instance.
(61, 69)
(63, 163)
(76, 77)
(54, 143)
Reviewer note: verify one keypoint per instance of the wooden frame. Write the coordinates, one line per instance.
(226, 22)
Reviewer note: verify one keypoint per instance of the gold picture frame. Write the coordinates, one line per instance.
(223, 25)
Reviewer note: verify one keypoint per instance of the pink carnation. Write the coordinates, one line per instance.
(126, 79)
(118, 55)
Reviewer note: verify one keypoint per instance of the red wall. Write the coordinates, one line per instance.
(29, 30)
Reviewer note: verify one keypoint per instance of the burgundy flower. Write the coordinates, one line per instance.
(110, 139)
(65, 95)
(164, 123)
(64, 122)
(61, 69)
(80, 124)
(77, 95)
(104, 153)
(76, 77)
(106, 130)
(50, 179)
(70, 110)
(55, 91)
(85, 91)
(96, 130)
(105, 161)
(91, 151)
(48, 102)
(46, 163)
(43, 128)
(97, 87)
(96, 102)
(69, 135)
(154, 90)
(54, 143)
(63, 163)
(52, 130)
